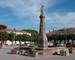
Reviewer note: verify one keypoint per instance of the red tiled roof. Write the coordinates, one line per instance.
(12, 30)
(3, 26)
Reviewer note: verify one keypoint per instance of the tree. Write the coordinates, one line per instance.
(26, 37)
(3, 36)
(34, 34)
(11, 37)
(18, 38)
(23, 37)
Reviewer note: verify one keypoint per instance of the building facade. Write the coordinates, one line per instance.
(4, 30)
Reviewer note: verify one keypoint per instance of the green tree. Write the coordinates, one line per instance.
(11, 37)
(18, 38)
(34, 35)
(3, 37)
(26, 37)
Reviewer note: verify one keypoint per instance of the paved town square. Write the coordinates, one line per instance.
(5, 56)
(37, 29)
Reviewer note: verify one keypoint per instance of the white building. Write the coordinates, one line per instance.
(17, 32)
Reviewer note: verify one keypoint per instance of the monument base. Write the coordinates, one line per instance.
(52, 50)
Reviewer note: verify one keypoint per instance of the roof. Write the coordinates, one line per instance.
(3, 26)
(62, 31)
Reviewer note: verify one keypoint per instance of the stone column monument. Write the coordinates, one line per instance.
(42, 38)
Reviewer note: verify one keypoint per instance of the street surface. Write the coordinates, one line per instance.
(5, 56)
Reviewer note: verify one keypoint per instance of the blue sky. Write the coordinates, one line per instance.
(24, 14)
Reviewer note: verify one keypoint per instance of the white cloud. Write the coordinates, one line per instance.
(27, 8)
(61, 21)
(22, 8)
(30, 8)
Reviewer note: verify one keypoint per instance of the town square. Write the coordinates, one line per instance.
(37, 30)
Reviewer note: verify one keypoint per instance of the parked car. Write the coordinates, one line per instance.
(14, 51)
(63, 51)
(24, 50)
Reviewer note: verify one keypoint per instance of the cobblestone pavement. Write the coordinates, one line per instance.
(5, 56)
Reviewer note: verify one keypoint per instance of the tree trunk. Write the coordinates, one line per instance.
(12, 42)
(20, 42)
